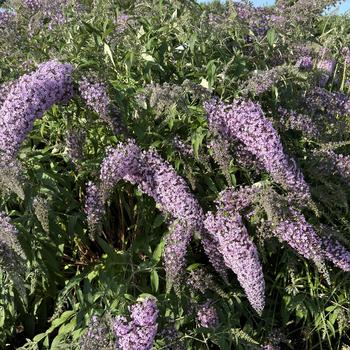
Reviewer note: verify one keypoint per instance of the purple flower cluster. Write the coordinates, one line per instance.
(336, 252)
(245, 122)
(158, 179)
(345, 51)
(258, 19)
(4, 90)
(51, 13)
(330, 103)
(96, 97)
(200, 279)
(183, 148)
(211, 247)
(96, 337)
(94, 207)
(176, 243)
(304, 62)
(326, 67)
(122, 23)
(240, 254)
(237, 200)
(262, 81)
(6, 18)
(140, 331)
(207, 316)
(220, 150)
(75, 142)
(300, 235)
(171, 191)
(332, 162)
(301, 122)
(29, 98)
(33, 5)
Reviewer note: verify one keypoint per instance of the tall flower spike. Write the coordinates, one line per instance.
(336, 252)
(158, 179)
(139, 333)
(240, 254)
(94, 208)
(96, 97)
(207, 316)
(175, 250)
(245, 121)
(300, 235)
(29, 98)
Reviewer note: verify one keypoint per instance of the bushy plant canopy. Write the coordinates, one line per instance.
(174, 175)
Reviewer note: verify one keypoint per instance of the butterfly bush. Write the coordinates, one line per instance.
(240, 254)
(334, 163)
(300, 122)
(336, 252)
(244, 121)
(326, 67)
(75, 142)
(220, 150)
(28, 100)
(262, 81)
(300, 235)
(6, 19)
(96, 337)
(94, 206)
(140, 331)
(207, 316)
(156, 178)
(95, 94)
(175, 249)
(305, 62)
(330, 103)
(50, 13)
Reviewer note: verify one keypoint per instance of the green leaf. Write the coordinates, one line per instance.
(271, 37)
(158, 252)
(154, 281)
(108, 52)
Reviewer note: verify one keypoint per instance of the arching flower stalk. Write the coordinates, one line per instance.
(158, 179)
(245, 122)
(240, 254)
(96, 97)
(140, 331)
(207, 316)
(29, 98)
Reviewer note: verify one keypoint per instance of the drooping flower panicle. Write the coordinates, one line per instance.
(244, 121)
(140, 331)
(207, 316)
(29, 98)
(240, 254)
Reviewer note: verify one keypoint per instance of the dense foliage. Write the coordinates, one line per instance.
(174, 175)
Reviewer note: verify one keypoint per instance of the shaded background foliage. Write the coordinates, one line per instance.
(160, 60)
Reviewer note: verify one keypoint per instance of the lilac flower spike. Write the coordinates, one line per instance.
(139, 333)
(300, 235)
(96, 97)
(158, 179)
(207, 316)
(244, 121)
(326, 66)
(29, 98)
(175, 250)
(240, 254)
(336, 252)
